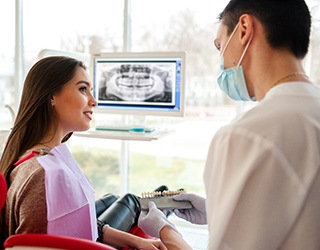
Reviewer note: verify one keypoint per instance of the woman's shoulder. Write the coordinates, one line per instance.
(27, 169)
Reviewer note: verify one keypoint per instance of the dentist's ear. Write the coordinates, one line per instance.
(246, 28)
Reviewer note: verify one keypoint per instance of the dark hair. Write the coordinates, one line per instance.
(287, 22)
(35, 114)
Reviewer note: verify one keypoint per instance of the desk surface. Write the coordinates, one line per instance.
(121, 135)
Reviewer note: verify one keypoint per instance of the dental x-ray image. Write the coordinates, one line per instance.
(136, 82)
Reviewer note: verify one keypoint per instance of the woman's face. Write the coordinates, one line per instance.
(74, 103)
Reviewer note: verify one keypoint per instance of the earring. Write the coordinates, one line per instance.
(52, 102)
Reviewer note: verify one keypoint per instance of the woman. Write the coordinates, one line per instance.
(48, 193)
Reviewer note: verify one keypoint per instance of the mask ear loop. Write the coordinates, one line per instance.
(245, 49)
(234, 31)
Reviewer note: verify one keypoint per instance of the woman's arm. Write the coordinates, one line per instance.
(172, 239)
(119, 238)
(26, 200)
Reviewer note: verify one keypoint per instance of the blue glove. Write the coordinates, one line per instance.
(153, 220)
(197, 214)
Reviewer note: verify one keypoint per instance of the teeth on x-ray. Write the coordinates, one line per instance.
(137, 76)
(137, 82)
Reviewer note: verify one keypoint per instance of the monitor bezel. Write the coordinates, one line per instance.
(141, 111)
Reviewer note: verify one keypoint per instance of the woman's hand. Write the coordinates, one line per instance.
(150, 244)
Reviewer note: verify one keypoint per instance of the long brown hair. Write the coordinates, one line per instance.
(35, 114)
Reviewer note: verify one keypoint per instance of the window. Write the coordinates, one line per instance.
(91, 26)
(80, 26)
(7, 86)
(178, 160)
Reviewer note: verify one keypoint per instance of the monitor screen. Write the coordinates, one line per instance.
(148, 83)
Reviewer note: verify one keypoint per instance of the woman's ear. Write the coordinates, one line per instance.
(246, 28)
(52, 101)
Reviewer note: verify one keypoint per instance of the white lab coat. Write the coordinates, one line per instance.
(262, 174)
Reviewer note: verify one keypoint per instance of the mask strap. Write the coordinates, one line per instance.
(225, 47)
(245, 50)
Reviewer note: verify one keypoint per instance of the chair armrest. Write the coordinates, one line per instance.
(54, 241)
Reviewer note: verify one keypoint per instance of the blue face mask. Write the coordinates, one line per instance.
(231, 81)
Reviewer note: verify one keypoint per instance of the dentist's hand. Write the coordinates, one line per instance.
(197, 214)
(153, 220)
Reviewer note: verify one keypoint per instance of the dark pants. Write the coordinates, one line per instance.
(118, 212)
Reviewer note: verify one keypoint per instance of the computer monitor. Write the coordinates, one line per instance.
(148, 83)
